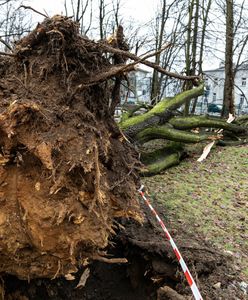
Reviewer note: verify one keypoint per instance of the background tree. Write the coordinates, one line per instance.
(14, 22)
(82, 13)
(228, 101)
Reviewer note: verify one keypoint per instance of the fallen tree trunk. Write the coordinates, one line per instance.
(163, 122)
(160, 159)
(204, 121)
(168, 133)
(160, 113)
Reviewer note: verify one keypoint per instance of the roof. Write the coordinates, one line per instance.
(221, 69)
(243, 66)
(142, 68)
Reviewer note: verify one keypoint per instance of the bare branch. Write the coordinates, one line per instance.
(36, 11)
(7, 54)
(4, 2)
(113, 71)
(6, 44)
(146, 62)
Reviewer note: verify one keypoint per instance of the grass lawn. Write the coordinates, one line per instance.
(209, 199)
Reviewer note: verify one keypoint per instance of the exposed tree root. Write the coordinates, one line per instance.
(167, 293)
(58, 157)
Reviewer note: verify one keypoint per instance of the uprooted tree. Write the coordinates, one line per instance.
(63, 159)
(66, 169)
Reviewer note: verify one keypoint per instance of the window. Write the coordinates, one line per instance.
(241, 101)
(243, 82)
(214, 97)
(206, 91)
(216, 80)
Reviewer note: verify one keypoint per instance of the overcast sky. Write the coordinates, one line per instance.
(142, 10)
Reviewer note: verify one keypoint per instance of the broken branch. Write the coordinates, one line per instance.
(146, 62)
(115, 70)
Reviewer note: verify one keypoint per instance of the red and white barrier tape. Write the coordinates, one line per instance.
(186, 271)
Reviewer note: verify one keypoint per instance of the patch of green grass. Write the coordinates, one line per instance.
(210, 198)
(245, 271)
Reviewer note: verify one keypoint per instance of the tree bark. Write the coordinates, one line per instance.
(160, 113)
(228, 99)
(188, 58)
(169, 133)
(161, 163)
(155, 89)
(204, 121)
(161, 159)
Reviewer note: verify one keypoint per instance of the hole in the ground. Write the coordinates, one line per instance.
(138, 279)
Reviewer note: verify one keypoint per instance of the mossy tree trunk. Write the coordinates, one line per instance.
(163, 122)
(160, 113)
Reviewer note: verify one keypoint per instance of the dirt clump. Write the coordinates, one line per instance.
(65, 170)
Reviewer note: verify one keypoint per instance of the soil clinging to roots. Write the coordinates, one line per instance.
(66, 172)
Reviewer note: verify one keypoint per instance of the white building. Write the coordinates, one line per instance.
(139, 89)
(214, 81)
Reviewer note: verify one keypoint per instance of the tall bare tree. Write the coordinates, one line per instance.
(202, 17)
(82, 13)
(14, 22)
(228, 101)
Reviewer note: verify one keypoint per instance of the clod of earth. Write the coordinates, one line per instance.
(62, 157)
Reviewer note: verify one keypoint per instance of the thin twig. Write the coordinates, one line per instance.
(36, 11)
(7, 54)
(6, 44)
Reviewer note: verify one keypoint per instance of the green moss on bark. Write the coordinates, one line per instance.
(162, 106)
(165, 132)
(203, 121)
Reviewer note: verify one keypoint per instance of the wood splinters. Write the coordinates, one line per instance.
(83, 278)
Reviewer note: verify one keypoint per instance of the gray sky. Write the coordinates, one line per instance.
(142, 10)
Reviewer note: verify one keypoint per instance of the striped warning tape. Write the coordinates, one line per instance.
(186, 271)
